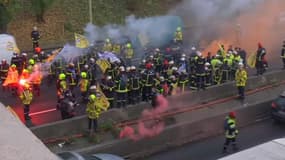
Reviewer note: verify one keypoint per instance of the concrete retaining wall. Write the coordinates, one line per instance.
(179, 134)
(79, 124)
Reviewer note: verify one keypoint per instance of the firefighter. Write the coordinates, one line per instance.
(108, 88)
(236, 60)
(71, 76)
(283, 54)
(209, 74)
(147, 82)
(93, 113)
(178, 36)
(260, 57)
(241, 78)
(162, 86)
(193, 54)
(129, 53)
(67, 105)
(12, 79)
(84, 85)
(92, 71)
(122, 88)
(37, 52)
(31, 65)
(4, 67)
(26, 97)
(157, 60)
(227, 67)
(35, 35)
(117, 49)
(61, 85)
(200, 71)
(108, 45)
(17, 60)
(111, 70)
(135, 86)
(172, 83)
(209, 57)
(183, 80)
(217, 73)
(24, 57)
(231, 132)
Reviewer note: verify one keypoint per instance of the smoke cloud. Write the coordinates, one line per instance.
(150, 128)
(241, 23)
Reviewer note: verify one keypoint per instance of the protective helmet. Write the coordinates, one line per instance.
(108, 40)
(92, 97)
(42, 52)
(83, 74)
(182, 58)
(184, 71)
(128, 69)
(178, 29)
(172, 77)
(157, 49)
(232, 114)
(71, 64)
(183, 55)
(86, 66)
(235, 52)
(129, 45)
(35, 28)
(13, 66)
(174, 68)
(92, 60)
(207, 64)
(240, 64)
(199, 53)
(122, 68)
(24, 54)
(109, 77)
(171, 62)
(230, 52)
(193, 49)
(151, 56)
(26, 86)
(133, 68)
(31, 61)
(161, 78)
(62, 76)
(25, 71)
(4, 61)
(35, 56)
(38, 49)
(143, 61)
(148, 66)
(93, 87)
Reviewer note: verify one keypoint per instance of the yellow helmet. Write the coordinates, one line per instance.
(92, 97)
(31, 61)
(83, 74)
(129, 45)
(62, 76)
(13, 66)
(178, 29)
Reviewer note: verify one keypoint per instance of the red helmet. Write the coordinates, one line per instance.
(232, 115)
(38, 49)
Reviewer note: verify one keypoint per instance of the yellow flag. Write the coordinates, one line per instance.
(81, 41)
(103, 64)
(251, 60)
(223, 52)
(102, 100)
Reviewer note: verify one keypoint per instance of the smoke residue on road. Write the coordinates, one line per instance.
(151, 127)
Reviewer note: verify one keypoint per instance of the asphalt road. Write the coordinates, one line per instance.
(43, 108)
(211, 148)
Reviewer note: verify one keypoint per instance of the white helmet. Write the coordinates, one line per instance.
(93, 87)
(143, 61)
(230, 52)
(199, 53)
(35, 28)
(92, 60)
(174, 68)
(122, 68)
(207, 64)
(86, 66)
(133, 67)
(183, 55)
(193, 48)
(161, 78)
(182, 58)
(172, 77)
(235, 52)
(171, 62)
(128, 69)
(240, 64)
(157, 49)
(151, 56)
(24, 54)
(109, 77)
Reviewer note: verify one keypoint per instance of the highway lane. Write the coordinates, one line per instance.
(43, 107)
(211, 148)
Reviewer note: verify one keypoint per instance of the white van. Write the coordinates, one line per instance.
(8, 45)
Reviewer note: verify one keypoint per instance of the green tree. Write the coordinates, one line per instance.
(39, 7)
(8, 8)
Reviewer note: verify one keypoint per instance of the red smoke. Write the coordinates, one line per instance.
(150, 128)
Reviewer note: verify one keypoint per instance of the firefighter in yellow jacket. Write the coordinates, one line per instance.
(178, 36)
(241, 78)
(26, 97)
(84, 85)
(93, 113)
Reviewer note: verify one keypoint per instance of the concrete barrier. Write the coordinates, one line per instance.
(175, 135)
(79, 124)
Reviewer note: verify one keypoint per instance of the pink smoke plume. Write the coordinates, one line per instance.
(150, 128)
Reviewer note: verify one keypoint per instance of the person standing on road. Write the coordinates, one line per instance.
(26, 97)
(283, 54)
(231, 132)
(93, 112)
(35, 35)
(241, 78)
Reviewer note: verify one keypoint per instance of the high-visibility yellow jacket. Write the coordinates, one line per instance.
(129, 53)
(84, 85)
(231, 131)
(92, 110)
(178, 36)
(26, 97)
(241, 77)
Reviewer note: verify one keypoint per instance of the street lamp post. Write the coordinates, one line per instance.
(90, 12)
